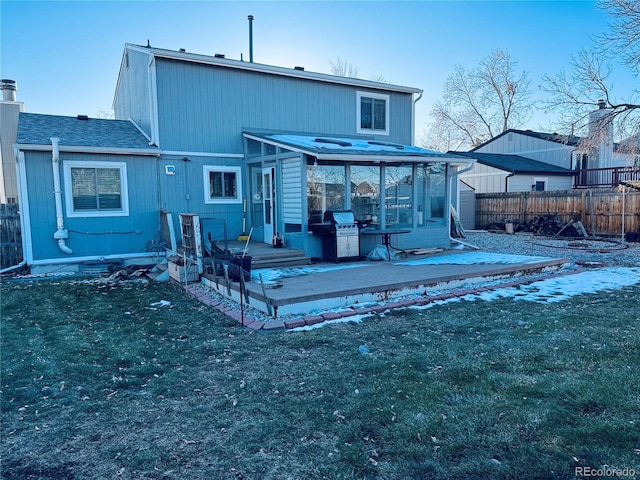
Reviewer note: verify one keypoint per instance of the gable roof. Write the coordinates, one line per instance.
(516, 163)
(297, 72)
(81, 133)
(332, 147)
(569, 140)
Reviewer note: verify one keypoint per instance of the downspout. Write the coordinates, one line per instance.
(506, 182)
(21, 196)
(61, 234)
(413, 119)
(456, 174)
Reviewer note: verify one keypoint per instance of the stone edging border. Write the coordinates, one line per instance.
(271, 325)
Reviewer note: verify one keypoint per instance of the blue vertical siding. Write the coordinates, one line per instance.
(133, 96)
(205, 108)
(109, 235)
(184, 192)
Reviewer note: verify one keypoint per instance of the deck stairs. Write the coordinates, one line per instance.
(266, 256)
(262, 256)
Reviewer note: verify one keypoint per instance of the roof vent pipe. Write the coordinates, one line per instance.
(250, 17)
(9, 88)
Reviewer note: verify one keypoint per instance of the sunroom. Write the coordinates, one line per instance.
(294, 179)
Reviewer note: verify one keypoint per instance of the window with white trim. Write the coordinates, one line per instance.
(96, 189)
(222, 184)
(373, 113)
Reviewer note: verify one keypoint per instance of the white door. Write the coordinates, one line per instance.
(268, 204)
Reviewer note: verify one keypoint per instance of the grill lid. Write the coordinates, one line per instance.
(339, 216)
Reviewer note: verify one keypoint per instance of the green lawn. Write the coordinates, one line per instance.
(97, 383)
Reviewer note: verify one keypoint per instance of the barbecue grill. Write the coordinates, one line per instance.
(340, 235)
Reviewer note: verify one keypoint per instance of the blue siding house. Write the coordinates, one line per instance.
(260, 147)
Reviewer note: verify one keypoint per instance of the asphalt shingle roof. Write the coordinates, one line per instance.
(37, 129)
(570, 140)
(515, 163)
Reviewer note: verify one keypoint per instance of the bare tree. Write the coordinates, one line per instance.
(342, 68)
(624, 35)
(105, 114)
(442, 135)
(479, 103)
(587, 86)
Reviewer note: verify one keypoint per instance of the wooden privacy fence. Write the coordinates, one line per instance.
(600, 210)
(10, 235)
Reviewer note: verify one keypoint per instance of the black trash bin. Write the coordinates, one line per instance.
(239, 264)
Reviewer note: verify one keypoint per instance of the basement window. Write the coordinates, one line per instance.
(96, 189)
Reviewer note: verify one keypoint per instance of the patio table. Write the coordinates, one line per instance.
(385, 235)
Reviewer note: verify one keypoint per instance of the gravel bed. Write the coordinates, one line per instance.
(609, 252)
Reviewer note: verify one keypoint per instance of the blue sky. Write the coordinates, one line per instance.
(65, 55)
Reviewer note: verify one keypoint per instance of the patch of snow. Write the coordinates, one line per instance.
(306, 328)
(161, 303)
(562, 288)
(557, 289)
(473, 258)
(347, 145)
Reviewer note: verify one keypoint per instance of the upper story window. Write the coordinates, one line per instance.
(96, 189)
(373, 113)
(222, 184)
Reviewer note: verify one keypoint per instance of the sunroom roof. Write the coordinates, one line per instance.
(331, 147)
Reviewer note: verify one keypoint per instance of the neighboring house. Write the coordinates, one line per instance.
(601, 162)
(214, 137)
(549, 148)
(495, 172)
(9, 111)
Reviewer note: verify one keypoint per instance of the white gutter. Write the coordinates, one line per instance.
(179, 153)
(457, 174)
(61, 234)
(82, 149)
(270, 69)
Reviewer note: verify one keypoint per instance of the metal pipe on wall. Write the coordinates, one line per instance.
(61, 234)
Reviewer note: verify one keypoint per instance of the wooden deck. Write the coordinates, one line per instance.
(325, 286)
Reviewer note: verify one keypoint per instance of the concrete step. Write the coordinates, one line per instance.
(160, 272)
(279, 262)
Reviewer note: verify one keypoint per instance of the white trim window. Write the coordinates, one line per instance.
(96, 189)
(222, 184)
(373, 113)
